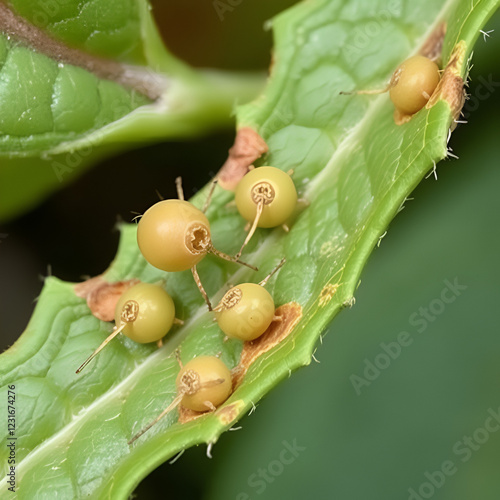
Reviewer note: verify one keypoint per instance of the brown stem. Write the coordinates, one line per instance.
(197, 280)
(368, 92)
(260, 208)
(178, 186)
(227, 257)
(101, 347)
(210, 194)
(273, 272)
(168, 409)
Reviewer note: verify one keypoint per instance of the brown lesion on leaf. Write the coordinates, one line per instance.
(248, 147)
(150, 84)
(287, 317)
(327, 294)
(401, 118)
(228, 414)
(451, 85)
(433, 46)
(102, 296)
(272, 62)
(186, 415)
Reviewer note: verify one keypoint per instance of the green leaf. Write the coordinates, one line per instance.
(109, 28)
(53, 84)
(78, 82)
(400, 423)
(354, 165)
(54, 102)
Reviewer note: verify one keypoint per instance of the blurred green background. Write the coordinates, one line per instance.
(427, 407)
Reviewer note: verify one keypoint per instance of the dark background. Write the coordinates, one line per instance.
(372, 446)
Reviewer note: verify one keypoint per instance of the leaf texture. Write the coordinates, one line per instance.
(353, 164)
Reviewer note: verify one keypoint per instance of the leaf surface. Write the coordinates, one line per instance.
(82, 80)
(354, 165)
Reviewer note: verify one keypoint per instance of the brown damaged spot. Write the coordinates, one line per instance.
(102, 296)
(401, 118)
(433, 46)
(186, 415)
(289, 315)
(327, 294)
(272, 63)
(228, 414)
(451, 86)
(248, 147)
